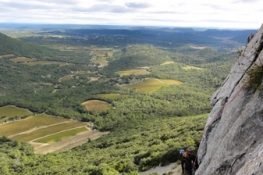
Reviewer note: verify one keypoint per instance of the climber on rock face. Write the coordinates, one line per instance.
(188, 162)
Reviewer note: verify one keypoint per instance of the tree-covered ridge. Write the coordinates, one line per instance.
(20, 48)
(146, 129)
(47, 90)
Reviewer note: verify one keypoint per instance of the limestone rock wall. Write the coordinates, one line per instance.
(232, 143)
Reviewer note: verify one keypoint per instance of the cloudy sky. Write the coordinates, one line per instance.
(184, 13)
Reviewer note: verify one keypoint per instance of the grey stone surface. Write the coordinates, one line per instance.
(233, 137)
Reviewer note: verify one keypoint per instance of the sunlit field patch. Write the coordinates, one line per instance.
(167, 63)
(151, 85)
(136, 72)
(188, 67)
(61, 135)
(44, 132)
(96, 106)
(12, 112)
(48, 130)
(32, 122)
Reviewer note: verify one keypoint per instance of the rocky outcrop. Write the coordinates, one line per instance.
(232, 143)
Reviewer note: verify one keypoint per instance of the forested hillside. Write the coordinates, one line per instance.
(19, 48)
(150, 100)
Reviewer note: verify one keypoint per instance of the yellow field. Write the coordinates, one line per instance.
(188, 67)
(44, 132)
(167, 63)
(96, 106)
(12, 112)
(29, 123)
(151, 85)
(136, 72)
(68, 143)
(168, 82)
(61, 135)
(48, 130)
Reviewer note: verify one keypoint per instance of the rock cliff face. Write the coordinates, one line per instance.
(232, 143)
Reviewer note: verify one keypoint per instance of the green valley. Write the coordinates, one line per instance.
(125, 103)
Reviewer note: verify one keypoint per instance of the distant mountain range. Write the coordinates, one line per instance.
(124, 35)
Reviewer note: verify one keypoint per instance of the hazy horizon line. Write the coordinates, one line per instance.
(126, 25)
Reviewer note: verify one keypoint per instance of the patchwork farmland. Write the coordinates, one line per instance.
(135, 72)
(44, 132)
(96, 106)
(151, 85)
(188, 67)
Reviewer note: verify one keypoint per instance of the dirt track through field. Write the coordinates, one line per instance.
(67, 143)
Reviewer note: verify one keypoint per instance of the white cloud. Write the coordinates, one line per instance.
(194, 13)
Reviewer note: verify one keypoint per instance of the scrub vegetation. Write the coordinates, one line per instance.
(127, 101)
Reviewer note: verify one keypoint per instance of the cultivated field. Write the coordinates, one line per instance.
(151, 85)
(28, 124)
(188, 67)
(68, 143)
(167, 63)
(136, 72)
(96, 106)
(42, 132)
(45, 131)
(61, 135)
(10, 112)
